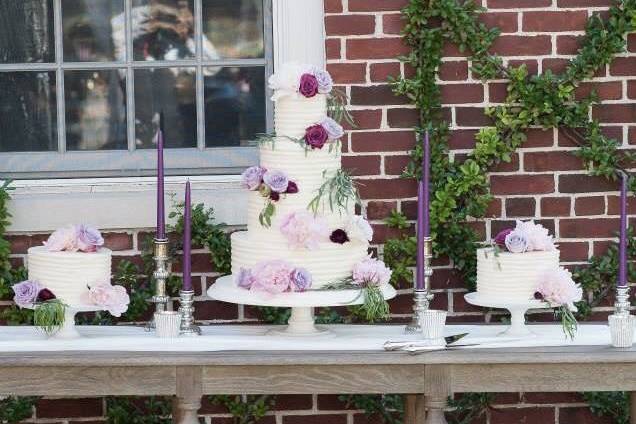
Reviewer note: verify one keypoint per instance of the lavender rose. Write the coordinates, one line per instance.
(333, 128)
(301, 279)
(245, 279)
(325, 82)
(276, 180)
(500, 238)
(316, 136)
(252, 178)
(308, 85)
(516, 242)
(339, 236)
(88, 238)
(26, 293)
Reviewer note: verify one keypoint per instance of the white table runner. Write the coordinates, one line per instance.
(243, 337)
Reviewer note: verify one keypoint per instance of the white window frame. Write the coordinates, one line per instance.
(129, 203)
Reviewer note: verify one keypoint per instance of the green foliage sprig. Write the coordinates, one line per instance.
(127, 410)
(338, 191)
(245, 409)
(49, 316)
(14, 410)
(614, 405)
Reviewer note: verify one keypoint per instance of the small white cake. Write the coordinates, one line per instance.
(512, 276)
(68, 274)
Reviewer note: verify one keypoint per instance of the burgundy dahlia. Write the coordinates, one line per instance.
(45, 295)
(339, 236)
(292, 188)
(500, 239)
(316, 136)
(308, 85)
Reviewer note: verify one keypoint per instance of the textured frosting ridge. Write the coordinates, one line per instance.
(67, 274)
(512, 276)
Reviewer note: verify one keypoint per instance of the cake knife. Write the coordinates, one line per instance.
(392, 346)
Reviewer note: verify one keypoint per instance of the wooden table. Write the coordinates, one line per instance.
(426, 379)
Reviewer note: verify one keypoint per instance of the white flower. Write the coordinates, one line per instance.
(359, 228)
(557, 287)
(286, 80)
(537, 235)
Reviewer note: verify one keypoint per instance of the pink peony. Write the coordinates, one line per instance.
(114, 299)
(308, 85)
(63, 239)
(537, 235)
(371, 272)
(272, 277)
(304, 231)
(557, 287)
(88, 238)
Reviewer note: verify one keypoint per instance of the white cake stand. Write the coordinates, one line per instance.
(518, 309)
(68, 330)
(301, 322)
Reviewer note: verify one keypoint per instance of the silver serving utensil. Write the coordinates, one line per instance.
(402, 345)
(414, 350)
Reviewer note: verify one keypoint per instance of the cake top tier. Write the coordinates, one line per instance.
(295, 79)
(42, 250)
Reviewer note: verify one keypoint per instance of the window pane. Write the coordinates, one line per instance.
(171, 91)
(234, 105)
(26, 31)
(233, 29)
(163, 29)
(28, 118)
(94, 30)
(95, 110)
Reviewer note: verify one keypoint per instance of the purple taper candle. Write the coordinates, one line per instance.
(161, 209)
(187, 240)
(622, 244)
(423, 204)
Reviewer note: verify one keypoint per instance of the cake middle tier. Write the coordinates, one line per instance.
(329, 264)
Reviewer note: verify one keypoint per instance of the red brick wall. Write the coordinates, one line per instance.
(543, 181)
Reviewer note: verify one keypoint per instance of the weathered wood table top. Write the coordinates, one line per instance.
(435, 375)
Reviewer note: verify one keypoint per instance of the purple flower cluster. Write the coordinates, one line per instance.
(525, 237)
(327, 130)
(271, 184)
(315, 81)
(75, 238)
(28, 293)
(274, 277)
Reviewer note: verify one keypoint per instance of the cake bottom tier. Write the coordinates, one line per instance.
(328, 264)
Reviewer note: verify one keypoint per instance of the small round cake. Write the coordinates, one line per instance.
(512, 276)
(68, 274)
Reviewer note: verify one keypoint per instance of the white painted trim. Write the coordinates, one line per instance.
(129, 203)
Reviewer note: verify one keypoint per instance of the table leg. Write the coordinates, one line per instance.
(632, 407)
(435, 406)
(414, 409)
(438, 388)
(189, 391)
(186, 410)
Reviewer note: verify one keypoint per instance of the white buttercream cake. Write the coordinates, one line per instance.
(510, 276)
(68, 274)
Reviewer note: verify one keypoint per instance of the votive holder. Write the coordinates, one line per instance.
(167, 324)
(433, 323)
(622, 330)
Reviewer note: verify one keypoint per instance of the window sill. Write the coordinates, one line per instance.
(117, 203)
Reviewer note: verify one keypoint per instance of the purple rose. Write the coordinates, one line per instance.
(333, 128)
(45, 295)
(245, 279)
(26, 293)
(252, 178)
(316, 136)
(292, 188)
(308, 85)
(339, 236)
(301, 279)
(88, 238)
(325, 82)
(500, 239)
(276, 180)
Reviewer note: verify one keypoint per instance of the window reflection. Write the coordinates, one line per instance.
(234, 28)
(171, 91)
(234, 105)
(95, 110)
(91, 29)
(26, 31)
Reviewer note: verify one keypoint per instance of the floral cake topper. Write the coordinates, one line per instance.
(75, 238)
(525, 237)
(294, 79)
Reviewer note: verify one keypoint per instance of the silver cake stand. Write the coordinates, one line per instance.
(301, 322)
(517, 309)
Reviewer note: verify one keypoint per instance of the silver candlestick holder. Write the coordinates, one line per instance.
(160, 274)
(422, 298)
(186, 309)
(622, 305)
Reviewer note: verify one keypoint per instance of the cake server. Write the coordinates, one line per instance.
(391, 346)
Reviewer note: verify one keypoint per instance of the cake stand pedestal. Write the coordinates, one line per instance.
(301, 322)
(68, 330)
(518, 327)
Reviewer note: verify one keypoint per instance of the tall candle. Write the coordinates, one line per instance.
(187, 240)
(423, 224)
(161, 210)
(622, 245)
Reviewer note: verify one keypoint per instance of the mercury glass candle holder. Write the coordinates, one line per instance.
(622, 330)
(433, 323)
(167, 324)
